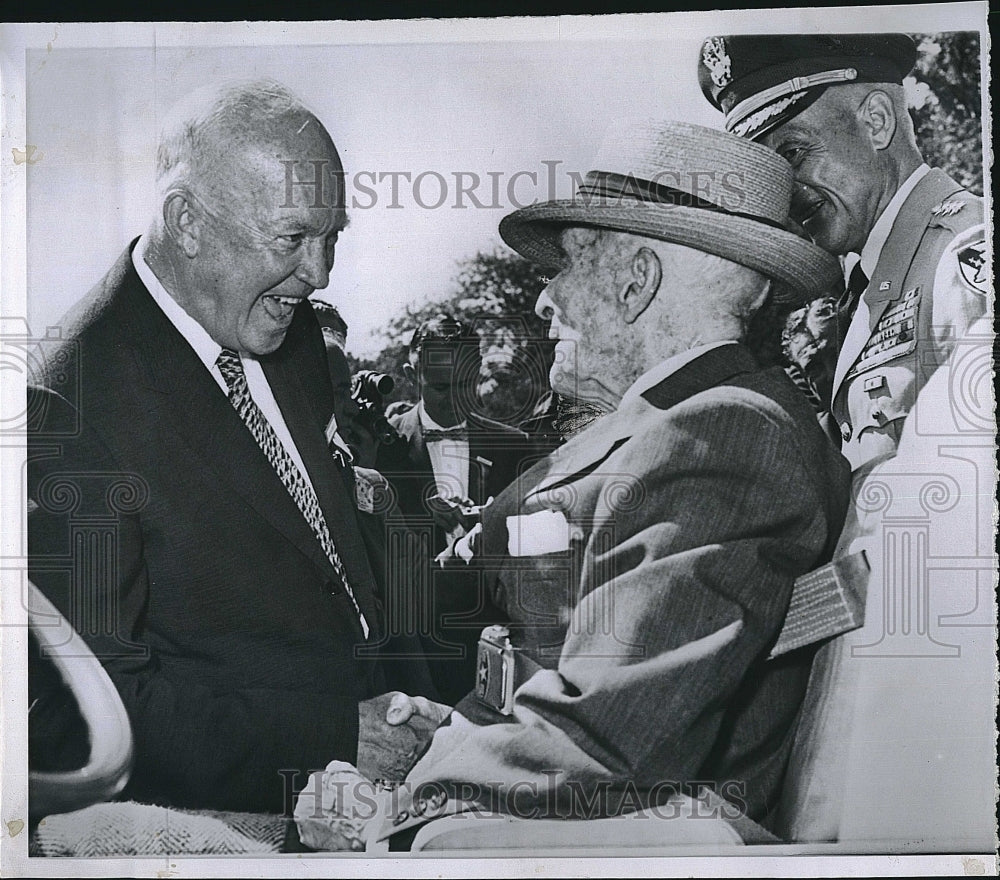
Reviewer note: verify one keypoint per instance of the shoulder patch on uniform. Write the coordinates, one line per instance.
(972, 265)
(947, 208)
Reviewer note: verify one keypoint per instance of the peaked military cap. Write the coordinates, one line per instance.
(760, 81)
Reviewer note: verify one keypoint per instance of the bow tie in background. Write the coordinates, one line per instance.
(457, 433)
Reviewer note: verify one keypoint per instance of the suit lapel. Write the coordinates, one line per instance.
(899, 250)
(586, 451)
(197, 408)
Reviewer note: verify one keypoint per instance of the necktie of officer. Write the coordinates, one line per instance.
(856, 285)
(302, 493)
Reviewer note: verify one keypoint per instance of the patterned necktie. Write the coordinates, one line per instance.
(302, 493)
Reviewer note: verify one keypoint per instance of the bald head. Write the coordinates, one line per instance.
(252, 205)
(213, 125)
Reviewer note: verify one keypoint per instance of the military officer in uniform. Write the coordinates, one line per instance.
(912, 239)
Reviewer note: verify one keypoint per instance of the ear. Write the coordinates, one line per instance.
(183, 222)
(878, 116)
(645, 274)
(410, 372)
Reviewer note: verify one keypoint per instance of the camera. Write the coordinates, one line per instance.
(367, 390)
(495, 670)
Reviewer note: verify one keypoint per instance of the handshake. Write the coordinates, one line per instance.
(341, 805)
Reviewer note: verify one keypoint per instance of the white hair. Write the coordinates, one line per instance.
(214, 115)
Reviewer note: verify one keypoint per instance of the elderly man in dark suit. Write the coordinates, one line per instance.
(230, 597)
(645, 567)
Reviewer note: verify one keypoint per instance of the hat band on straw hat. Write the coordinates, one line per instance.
(608, 185)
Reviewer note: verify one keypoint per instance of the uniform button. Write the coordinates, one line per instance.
(845, 431)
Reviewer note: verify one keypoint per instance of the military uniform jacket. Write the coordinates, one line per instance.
(928, 286)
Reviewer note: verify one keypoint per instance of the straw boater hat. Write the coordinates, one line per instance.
(694, 186)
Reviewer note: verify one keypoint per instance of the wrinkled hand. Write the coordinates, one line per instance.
(393, 730)
(336, 809)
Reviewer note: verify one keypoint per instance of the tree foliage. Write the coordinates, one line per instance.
(948, 112)
(494, 292)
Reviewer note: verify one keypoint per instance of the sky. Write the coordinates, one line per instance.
(488, 101)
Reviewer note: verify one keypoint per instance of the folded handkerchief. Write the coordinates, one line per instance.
(534, 534)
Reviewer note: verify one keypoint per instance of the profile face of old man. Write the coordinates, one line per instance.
(615, 311)
(252, 210)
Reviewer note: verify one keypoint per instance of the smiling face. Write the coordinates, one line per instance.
(264, 242)
(837, 197)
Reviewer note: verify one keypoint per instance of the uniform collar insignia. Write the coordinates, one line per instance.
(947, 208)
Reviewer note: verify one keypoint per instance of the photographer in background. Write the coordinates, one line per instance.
(451, 462)
(358, 408)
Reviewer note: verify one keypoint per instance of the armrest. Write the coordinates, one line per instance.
(110, 761)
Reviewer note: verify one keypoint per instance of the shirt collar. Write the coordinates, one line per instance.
(197, 337)
(671, 365)
(883, 226)
(428, 424)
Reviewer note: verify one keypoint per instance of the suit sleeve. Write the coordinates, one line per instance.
(238, 749)
(685, 582)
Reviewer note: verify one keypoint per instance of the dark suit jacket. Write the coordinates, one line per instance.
(447, 609)
(648, 604)
(167, 539)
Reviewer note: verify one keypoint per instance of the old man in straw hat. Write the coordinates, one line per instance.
(645, 567)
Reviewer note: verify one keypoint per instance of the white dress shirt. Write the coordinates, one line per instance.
(449, 457)
(207, 350)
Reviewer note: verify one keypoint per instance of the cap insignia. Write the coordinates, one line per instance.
(715, 57)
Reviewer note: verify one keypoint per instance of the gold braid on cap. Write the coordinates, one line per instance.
(758, 102)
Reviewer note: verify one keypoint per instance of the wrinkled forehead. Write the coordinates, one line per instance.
(578, 241)
(296, 176)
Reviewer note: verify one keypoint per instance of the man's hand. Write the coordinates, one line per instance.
(450, 513)
(393, 730)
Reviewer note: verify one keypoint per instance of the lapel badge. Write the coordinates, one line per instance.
(715, 57)
(947, 208)
(885, 285)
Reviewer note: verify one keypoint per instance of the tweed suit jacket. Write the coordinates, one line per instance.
(215, 610)
(687, 515)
